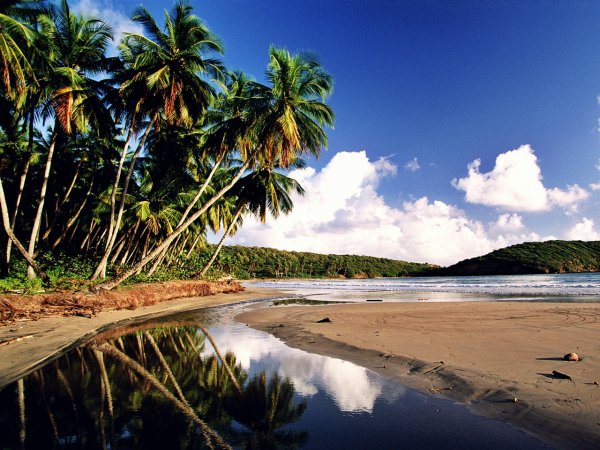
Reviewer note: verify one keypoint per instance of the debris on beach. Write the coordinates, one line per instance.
(325, 320)
(560, 375)
(571, 357)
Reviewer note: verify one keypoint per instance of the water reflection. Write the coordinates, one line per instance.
(178, 384)
(153, 388)
(352, 388)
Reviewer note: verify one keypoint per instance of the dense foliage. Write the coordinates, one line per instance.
(531, 258)
(124, 162)
(258, 262)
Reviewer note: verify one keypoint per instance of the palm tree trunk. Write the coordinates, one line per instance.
(73, 219)
(38, 216)
(110, 284)
(120, 247)
(131, 241)
(13, 238)
(13, 219)
(88, 235)
(113, 194)
(210, 176)
(61, 203)
(222, 241)
(193, 245)
(100, 271)
(189, 208)
(22, 180)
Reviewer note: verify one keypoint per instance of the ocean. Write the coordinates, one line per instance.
(573, 287)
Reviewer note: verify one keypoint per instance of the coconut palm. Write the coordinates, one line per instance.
(281, 122)
(76, 48)
(167, 77)
(293, 114)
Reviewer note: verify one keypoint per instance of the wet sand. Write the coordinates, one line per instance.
(497, 357)
(29, 345)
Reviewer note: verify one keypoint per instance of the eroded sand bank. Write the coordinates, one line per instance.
(31, 344)
(498, 357)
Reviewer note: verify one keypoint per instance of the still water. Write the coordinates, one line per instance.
(162, 385)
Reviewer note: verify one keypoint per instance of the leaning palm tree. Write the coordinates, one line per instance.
(75, 48)
(259, 192)
(167, 77)
(281, 123)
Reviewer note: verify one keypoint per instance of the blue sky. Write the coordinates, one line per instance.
(445, 82)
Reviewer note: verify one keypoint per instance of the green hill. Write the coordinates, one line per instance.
(532, 257)
(260, 262)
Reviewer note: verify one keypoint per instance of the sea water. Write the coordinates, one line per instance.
(574, 287)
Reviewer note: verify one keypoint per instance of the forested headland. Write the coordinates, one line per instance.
(115, 167)
(532, 258)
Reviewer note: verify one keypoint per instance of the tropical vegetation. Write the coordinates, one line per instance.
(125, 162)
(532, 258)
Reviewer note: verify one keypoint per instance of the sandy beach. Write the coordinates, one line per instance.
(30, 344)
(500, 358)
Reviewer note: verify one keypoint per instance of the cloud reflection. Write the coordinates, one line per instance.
(351, 387)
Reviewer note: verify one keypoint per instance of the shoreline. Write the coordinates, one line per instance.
(483, 354)
(33, 343)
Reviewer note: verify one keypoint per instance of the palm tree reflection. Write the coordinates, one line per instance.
(152, 388)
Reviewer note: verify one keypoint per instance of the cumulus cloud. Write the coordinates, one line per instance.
(413, 165)
(515, 184)
(109, 12)
(584, 231)
(595, 186)
(342, 213)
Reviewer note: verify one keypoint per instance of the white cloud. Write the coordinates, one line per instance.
(342, 213)
(583, 231)
(568, 200)
(384, 167)
(515, 184)
(598, 165)
(413, 165)
(509, 222)
(595, 186)
(109, 12)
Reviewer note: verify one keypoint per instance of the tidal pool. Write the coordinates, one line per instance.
(200, 380)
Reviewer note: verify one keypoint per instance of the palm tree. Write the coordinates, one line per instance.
(76, 48)
(281, 123)
(15, 39)
(260, 191)
(165, 78)
(293, 114)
